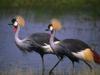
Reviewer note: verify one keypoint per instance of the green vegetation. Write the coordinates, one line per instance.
(55, 6)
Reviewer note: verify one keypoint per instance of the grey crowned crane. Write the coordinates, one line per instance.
(35, 42)
(74, 49)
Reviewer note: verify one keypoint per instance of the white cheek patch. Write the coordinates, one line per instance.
(16, 23)
(51, 28)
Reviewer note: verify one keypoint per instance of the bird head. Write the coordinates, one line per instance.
(17, 21)
(54, 25)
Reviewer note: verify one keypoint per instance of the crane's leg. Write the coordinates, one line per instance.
(55, 66)
(73, 68)
(43, 66)
(90, 67)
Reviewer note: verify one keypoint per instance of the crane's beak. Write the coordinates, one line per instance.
(10, 24)
(47, 30)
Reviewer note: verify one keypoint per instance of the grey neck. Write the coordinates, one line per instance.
(20, 41)
(17, 35)
(52, 39)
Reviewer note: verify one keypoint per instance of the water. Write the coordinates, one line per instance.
(14, 62)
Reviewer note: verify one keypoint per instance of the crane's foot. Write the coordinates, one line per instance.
(51, 72)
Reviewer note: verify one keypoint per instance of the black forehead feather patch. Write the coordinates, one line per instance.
(13, 20)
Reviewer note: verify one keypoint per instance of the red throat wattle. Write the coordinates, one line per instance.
(14, 29)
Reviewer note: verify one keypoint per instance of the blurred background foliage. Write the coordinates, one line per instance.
(91, 7)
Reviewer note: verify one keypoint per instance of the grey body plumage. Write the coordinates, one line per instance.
(67, 46)
(38, 42)
(72, 48)
(35, 42)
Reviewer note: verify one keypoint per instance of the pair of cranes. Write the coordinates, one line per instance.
(44, 43)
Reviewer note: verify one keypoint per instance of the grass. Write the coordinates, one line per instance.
(30, 71)
(54, 6)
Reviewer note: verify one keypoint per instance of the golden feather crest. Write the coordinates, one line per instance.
(56, 24)
(20, 20)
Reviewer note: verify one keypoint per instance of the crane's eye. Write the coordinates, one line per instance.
(15, 23)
